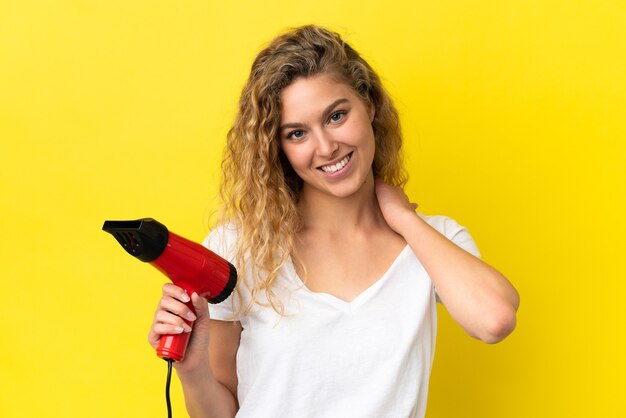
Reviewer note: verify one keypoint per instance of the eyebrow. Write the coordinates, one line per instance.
(325, 114)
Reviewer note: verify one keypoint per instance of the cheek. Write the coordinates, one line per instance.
(361, 131)
(295, 155)
(368, 140)
(370, 148)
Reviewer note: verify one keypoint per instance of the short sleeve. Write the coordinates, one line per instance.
(222, 241)
(454, 232)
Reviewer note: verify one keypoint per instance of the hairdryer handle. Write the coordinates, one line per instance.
(174, 346)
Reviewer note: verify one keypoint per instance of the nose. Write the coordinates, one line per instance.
(326, 144)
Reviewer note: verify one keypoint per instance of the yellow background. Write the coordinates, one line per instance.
(514, 114)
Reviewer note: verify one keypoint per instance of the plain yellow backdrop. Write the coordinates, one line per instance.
(514, 114)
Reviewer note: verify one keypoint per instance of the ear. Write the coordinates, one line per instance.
(372, 112)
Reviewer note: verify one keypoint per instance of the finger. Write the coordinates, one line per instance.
(176, 307)
(159, 330)
(177, 292)
(167, 318)
(380, 185)
(166, 329)
(201, 306)
(153, 338)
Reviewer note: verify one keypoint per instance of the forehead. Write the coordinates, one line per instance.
(311, 95)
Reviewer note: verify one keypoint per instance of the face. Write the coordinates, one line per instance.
(326, 133)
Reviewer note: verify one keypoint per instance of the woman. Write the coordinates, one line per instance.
(334, 314)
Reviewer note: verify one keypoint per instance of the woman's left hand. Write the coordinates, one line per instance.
(394, 204)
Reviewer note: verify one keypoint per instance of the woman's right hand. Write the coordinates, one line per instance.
(169, 319)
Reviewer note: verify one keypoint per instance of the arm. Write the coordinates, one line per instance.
(208, 371)
(475, 294)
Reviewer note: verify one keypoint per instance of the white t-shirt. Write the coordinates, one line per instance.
(327, 358)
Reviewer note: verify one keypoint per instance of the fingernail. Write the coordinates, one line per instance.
(191, 316)
(178, 330)
(185, 297)
(187, 328)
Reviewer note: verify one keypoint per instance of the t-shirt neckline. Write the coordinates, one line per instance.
(362, 297)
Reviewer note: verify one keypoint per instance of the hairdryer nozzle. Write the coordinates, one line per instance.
(144, 238)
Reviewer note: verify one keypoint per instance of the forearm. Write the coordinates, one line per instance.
(205, 396)
(475, 294)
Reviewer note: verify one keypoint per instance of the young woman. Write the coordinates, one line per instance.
(335, 312)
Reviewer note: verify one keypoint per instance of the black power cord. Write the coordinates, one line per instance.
(167, 387)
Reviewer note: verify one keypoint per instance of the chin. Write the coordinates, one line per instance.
(347, 190)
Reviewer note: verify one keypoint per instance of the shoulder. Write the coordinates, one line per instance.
(444, 224)
(452, 230)
(222, 240)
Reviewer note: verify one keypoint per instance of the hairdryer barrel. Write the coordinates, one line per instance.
(188, 264)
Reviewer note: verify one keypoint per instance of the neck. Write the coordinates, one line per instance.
(324, 212)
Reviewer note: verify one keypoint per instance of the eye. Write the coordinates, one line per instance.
(295, 134)
(337, 116)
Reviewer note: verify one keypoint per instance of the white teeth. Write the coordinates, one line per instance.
(336, 167)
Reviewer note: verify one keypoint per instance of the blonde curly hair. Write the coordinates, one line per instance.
(259, 188)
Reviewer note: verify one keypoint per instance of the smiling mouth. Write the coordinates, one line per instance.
(333, 168)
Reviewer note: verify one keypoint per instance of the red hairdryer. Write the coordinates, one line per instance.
(188, 264)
